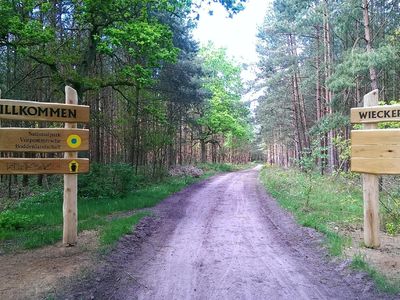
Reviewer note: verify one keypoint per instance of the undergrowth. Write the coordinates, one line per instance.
(328, 205)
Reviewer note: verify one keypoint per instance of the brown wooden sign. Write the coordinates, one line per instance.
(43, 140)
(375, 114)
(43, 166)
(69, 140)
(375, 151)
(43, 111)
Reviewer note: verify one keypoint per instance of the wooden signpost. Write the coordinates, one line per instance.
(374, 152)
(68, 140)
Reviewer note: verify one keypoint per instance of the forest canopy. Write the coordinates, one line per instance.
(317, 59)
(154, 96)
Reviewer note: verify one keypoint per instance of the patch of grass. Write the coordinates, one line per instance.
(328, 204)
(35, 239)
(119, 227)
(382, 282)
(37, 220)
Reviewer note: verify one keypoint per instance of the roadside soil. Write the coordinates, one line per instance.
(223, 238)
(34, 273)
(385, 259)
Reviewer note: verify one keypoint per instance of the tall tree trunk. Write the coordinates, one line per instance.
(203, 146)
(368, 40)
(136, 130)
(298, 99)
(328, 93)
(318, 101)
(171, 149)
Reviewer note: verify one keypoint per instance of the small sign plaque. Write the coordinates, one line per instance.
(43, 111)
(43, 166)
(375, 114)
(43, 140)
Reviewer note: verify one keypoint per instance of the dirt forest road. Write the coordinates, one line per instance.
(224, 238)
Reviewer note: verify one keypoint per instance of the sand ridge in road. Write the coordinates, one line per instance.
(224, 238)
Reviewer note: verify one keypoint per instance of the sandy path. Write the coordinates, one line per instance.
(223, 239)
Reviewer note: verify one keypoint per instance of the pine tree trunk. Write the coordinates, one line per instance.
(368, 40)
(203, 146)
(328, 93)
(318, 102)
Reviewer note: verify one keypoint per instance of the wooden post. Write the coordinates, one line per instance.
(371, 190)
(70, 209)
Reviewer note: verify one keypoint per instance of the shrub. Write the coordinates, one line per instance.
(113, 180)
(221, 167)
(13, 221)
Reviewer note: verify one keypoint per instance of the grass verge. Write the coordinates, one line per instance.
(317, 202)
(326, 204)
(112, 231)
(37, 220)
(381, 281)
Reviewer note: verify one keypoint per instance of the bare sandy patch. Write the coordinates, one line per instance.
(385, 259)
(34, 273)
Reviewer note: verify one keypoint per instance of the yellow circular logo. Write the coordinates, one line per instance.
(74, 141)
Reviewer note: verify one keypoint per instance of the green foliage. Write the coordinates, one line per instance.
(224, 112)
(108, 29)
(358, 61)
(144, 41)
(322, 44)
(391, 228)
(343, 147)
(307, 165)
(13, 221)
(329, 123)
(16, 22)
(105, 181)
(128, 31)
(390, 213)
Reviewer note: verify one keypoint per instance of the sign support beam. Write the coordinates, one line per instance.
(371, 189)
(70, 206)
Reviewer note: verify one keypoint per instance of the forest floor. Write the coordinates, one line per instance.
(31, 274)
(220, 238)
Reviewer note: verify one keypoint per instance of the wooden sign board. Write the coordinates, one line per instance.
(375, 114)
(43, 111)
(43, 140)
(375, 151)
(69, 140)
(43, 165)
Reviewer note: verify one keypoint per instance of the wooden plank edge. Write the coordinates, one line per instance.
(365, 165)
(34, 166)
